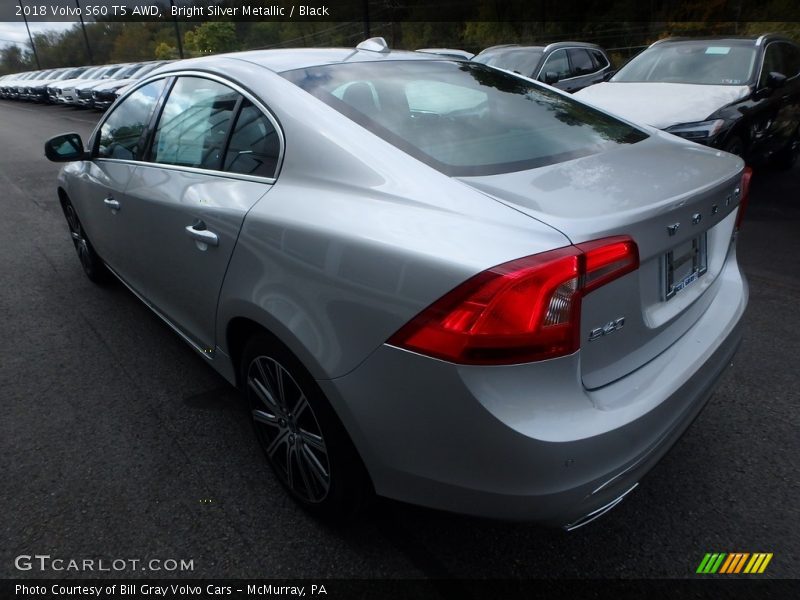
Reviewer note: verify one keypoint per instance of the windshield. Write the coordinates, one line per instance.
(464, 118)
(145, 69)
(128, 71)
(707, 62)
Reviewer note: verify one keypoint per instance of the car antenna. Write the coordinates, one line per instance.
(374, 44)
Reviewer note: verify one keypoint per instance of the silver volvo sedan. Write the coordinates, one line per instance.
(433, 280)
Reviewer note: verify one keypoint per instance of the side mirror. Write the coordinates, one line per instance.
(65, 148)
(550, 77)
(776, 80)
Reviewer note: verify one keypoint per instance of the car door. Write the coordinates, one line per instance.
(99, 187)
(773, 118)
(214, 154)
(788, 115)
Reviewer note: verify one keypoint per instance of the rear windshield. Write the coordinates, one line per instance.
(463, 118)
(708, 63)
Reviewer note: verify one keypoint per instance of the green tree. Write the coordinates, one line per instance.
(12, 60)
(164, 51)
(134, 43)
(212, 38)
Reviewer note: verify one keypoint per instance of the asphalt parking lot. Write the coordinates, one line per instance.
(118, 442)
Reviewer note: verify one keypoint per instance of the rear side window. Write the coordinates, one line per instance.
(254, 147)
(194, 124)
(599, 58)
(465, 118)
(122, 133)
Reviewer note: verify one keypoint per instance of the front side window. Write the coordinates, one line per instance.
(194, 125)
(791, 59)
(465, 118)
(556, 63)
(122, 133)
(780, 57)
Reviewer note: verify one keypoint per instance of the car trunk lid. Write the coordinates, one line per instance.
(678, 202)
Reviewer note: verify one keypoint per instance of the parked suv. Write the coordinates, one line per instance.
(569, 66)
(738, 94)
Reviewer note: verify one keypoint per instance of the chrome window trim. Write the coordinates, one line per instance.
(196, 170)
(576, 76)
(222, 80)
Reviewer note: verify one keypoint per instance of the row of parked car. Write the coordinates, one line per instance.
(85, 87)
(741, 95)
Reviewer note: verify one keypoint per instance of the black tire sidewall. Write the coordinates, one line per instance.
(349, 489)
(96, 270)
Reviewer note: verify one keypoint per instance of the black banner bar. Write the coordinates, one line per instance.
(718, 588)
(362, 11)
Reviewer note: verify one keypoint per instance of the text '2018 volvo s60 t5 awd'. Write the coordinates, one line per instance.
(433, 280)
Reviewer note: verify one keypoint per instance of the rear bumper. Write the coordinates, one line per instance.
(529, 442)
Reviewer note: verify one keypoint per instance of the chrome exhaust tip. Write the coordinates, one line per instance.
(599, 512)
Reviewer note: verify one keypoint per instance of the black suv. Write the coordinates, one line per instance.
(737, 94)
(569, 66)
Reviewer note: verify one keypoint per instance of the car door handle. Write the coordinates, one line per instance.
(111, 203)
(202, 235)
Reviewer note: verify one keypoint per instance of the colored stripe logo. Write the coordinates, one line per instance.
(734, 563)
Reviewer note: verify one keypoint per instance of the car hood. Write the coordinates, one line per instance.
(661, 105)
(68, 82)
(92, 85)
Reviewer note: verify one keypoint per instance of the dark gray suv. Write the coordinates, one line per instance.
(569, 66)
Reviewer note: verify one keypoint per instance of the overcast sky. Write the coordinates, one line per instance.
(11, 32)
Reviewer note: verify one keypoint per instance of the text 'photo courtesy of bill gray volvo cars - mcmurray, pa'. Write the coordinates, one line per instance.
(433, 280)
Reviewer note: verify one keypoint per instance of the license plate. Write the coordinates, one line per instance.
(684, 265)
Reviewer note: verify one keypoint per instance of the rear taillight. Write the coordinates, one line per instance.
(521, 311)
(744, 188)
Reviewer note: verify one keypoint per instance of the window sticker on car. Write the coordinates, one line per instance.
(718, 50)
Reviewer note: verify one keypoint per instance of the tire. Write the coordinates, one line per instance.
(786, 158)
(92, 264)
(302, 438)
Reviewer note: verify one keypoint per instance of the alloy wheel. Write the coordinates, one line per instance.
(288, 429)
(79, 238)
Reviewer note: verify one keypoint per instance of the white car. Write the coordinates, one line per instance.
(741, 95)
